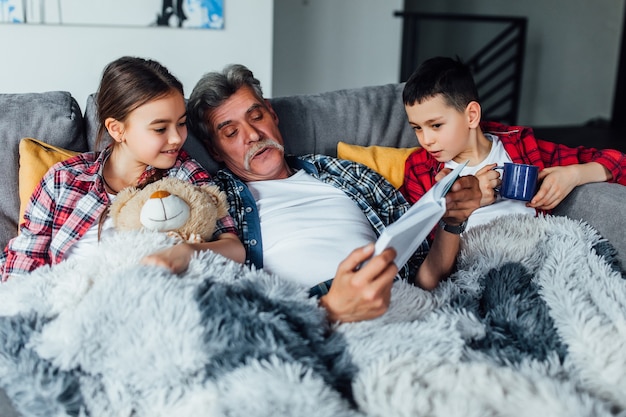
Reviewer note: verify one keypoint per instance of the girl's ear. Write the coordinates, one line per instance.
(473, 113)
(115, 129)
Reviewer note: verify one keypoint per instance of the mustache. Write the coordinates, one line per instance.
(262, 144)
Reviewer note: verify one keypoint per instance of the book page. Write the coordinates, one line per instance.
(407, 233)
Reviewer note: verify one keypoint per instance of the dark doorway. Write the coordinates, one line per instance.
(618, 116)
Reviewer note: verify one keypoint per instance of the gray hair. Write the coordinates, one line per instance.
(213, 89)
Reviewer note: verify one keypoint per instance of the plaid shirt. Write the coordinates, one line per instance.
(522, 146)
(381, 203)
(68, 201)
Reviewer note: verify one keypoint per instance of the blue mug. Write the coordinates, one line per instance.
(519, 181)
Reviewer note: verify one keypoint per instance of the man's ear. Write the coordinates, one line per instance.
(271, 110)
(214, 154)
(115, 129)
(473, 113)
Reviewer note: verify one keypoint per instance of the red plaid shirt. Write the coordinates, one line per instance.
(522, 146)
(68, 201)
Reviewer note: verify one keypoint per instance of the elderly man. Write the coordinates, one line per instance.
(313, 219)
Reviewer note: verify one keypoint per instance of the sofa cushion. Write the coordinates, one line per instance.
(314, 123)
(387, 161)
(51, 116)
(36, 158)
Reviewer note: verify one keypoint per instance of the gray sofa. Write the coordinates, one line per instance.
(310, 124)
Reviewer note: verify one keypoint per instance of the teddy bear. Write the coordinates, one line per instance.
(185, 211)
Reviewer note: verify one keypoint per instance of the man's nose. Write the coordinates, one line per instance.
(252, 134)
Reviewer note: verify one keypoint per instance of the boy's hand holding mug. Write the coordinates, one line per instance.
(519, 181)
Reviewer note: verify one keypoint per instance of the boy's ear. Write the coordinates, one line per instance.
(473, 113)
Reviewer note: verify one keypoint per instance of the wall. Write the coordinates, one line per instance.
(325, 45)
(311, 46)
(39, 58)
(571, 54)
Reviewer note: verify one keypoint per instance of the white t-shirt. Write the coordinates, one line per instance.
(308, 227)
(84, 247)
(501, 206)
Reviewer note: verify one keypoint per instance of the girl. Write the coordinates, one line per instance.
(142, 108)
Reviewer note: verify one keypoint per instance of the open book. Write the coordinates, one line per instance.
(409, 231)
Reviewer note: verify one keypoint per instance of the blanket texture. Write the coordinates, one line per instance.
(532, 324)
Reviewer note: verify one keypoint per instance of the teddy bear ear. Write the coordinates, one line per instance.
(123, 197)
(219, 199)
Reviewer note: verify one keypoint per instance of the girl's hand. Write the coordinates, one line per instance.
(488, 180)
(175, 258)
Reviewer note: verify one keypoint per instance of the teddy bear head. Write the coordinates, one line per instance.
(170, 205)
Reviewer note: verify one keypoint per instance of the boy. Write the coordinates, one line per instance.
(442, 106)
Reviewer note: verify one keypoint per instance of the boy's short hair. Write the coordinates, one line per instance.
(441, 75)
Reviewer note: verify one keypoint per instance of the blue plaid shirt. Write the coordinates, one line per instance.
(381, 203)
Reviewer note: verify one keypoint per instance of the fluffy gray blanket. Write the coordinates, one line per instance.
(532, 324)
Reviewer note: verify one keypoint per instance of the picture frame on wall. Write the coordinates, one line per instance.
(185, 14)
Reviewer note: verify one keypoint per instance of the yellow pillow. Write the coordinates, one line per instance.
(36, 157)
(387, 161)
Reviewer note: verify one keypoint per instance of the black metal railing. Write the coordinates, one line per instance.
(497, 66)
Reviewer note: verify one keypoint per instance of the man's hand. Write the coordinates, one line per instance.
(361, 294)
(463, 198)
